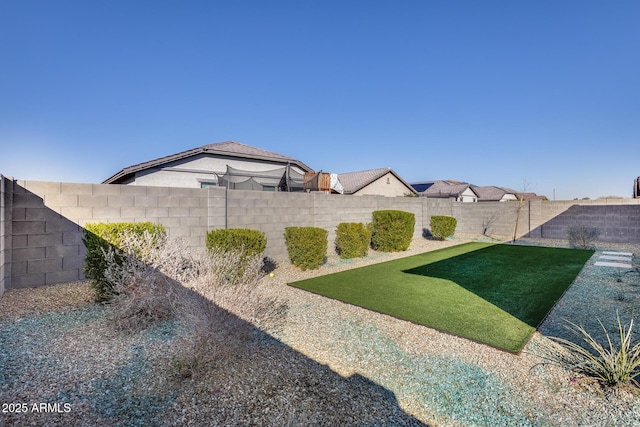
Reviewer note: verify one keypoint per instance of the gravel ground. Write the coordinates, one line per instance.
(332, 364)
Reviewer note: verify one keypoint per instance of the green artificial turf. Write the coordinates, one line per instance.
(494, 294)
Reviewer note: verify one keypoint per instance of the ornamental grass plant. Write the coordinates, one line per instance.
(612, 364)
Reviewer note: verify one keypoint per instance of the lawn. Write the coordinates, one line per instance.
(494, 294)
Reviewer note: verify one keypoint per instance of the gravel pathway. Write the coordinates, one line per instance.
(341, 365)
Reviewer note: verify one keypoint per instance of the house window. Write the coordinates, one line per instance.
(208, 184)
(268, 188)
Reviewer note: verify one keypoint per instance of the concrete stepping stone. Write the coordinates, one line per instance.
(612, 264)
(615, 258)
(617, 253)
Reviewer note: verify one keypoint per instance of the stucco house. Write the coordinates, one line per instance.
(447, 189)
(492, 193)
(227, 164)
(375, 182)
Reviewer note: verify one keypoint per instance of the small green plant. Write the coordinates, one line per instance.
(250, 242)
(307, 246)
(610, 365)
(100, 238)
(443, 226)
(582, 237)
(392, 230)
(352, 240)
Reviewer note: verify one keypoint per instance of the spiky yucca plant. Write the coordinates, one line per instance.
(610, 365)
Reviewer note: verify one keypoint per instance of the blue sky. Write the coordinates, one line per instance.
(488, 92)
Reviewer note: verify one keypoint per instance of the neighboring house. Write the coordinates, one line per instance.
(447, 189)
(636, 188)
(532, 196)
(375, 182)
(227, 164)
(465, 192)
(495, 194)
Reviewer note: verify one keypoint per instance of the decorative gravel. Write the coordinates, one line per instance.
(331, 364)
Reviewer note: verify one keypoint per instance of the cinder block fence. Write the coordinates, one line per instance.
(41, 222)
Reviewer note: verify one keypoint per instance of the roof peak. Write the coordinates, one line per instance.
(225, 148)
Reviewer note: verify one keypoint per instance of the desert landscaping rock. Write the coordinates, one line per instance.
(339, 365)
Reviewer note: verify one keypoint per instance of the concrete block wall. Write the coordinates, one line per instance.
(273, 212)
(5, 233)
(332, 209)
(41, 222)
(491, 218)
(270, 212)
(616, 223)
(48, 218)
(551, 219)
(436, 207)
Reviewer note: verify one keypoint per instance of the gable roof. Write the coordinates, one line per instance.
(491, 193)
(353, 182)
(227, 148)
(447, 188)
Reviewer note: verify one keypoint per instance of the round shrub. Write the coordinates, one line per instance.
(99, 237)
(443, 226)
(249, 242)
(352, 240)
(392, 230)
(307, 246)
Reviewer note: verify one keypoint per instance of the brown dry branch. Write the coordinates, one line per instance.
(240, 290)
(216, 297)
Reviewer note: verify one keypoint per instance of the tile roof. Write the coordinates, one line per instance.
(452, 188)
(491, 193)
(446, 188)
(355, 181)
(227, 148)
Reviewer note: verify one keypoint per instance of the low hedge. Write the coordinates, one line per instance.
(352, 240)
(99, 237)
(443, 226)
(307, 246)
(392, 230)
(250, 242)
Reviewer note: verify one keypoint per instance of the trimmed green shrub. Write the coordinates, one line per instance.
(392, 230)
(307, 246)
(99, 238)
(352, 240)
(443, 226)
(250, 242)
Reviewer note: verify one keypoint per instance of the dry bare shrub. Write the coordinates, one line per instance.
(143, 292)
(209, 335)
(219, 309)
(582, 237)
(215, 296)
(240, 291)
